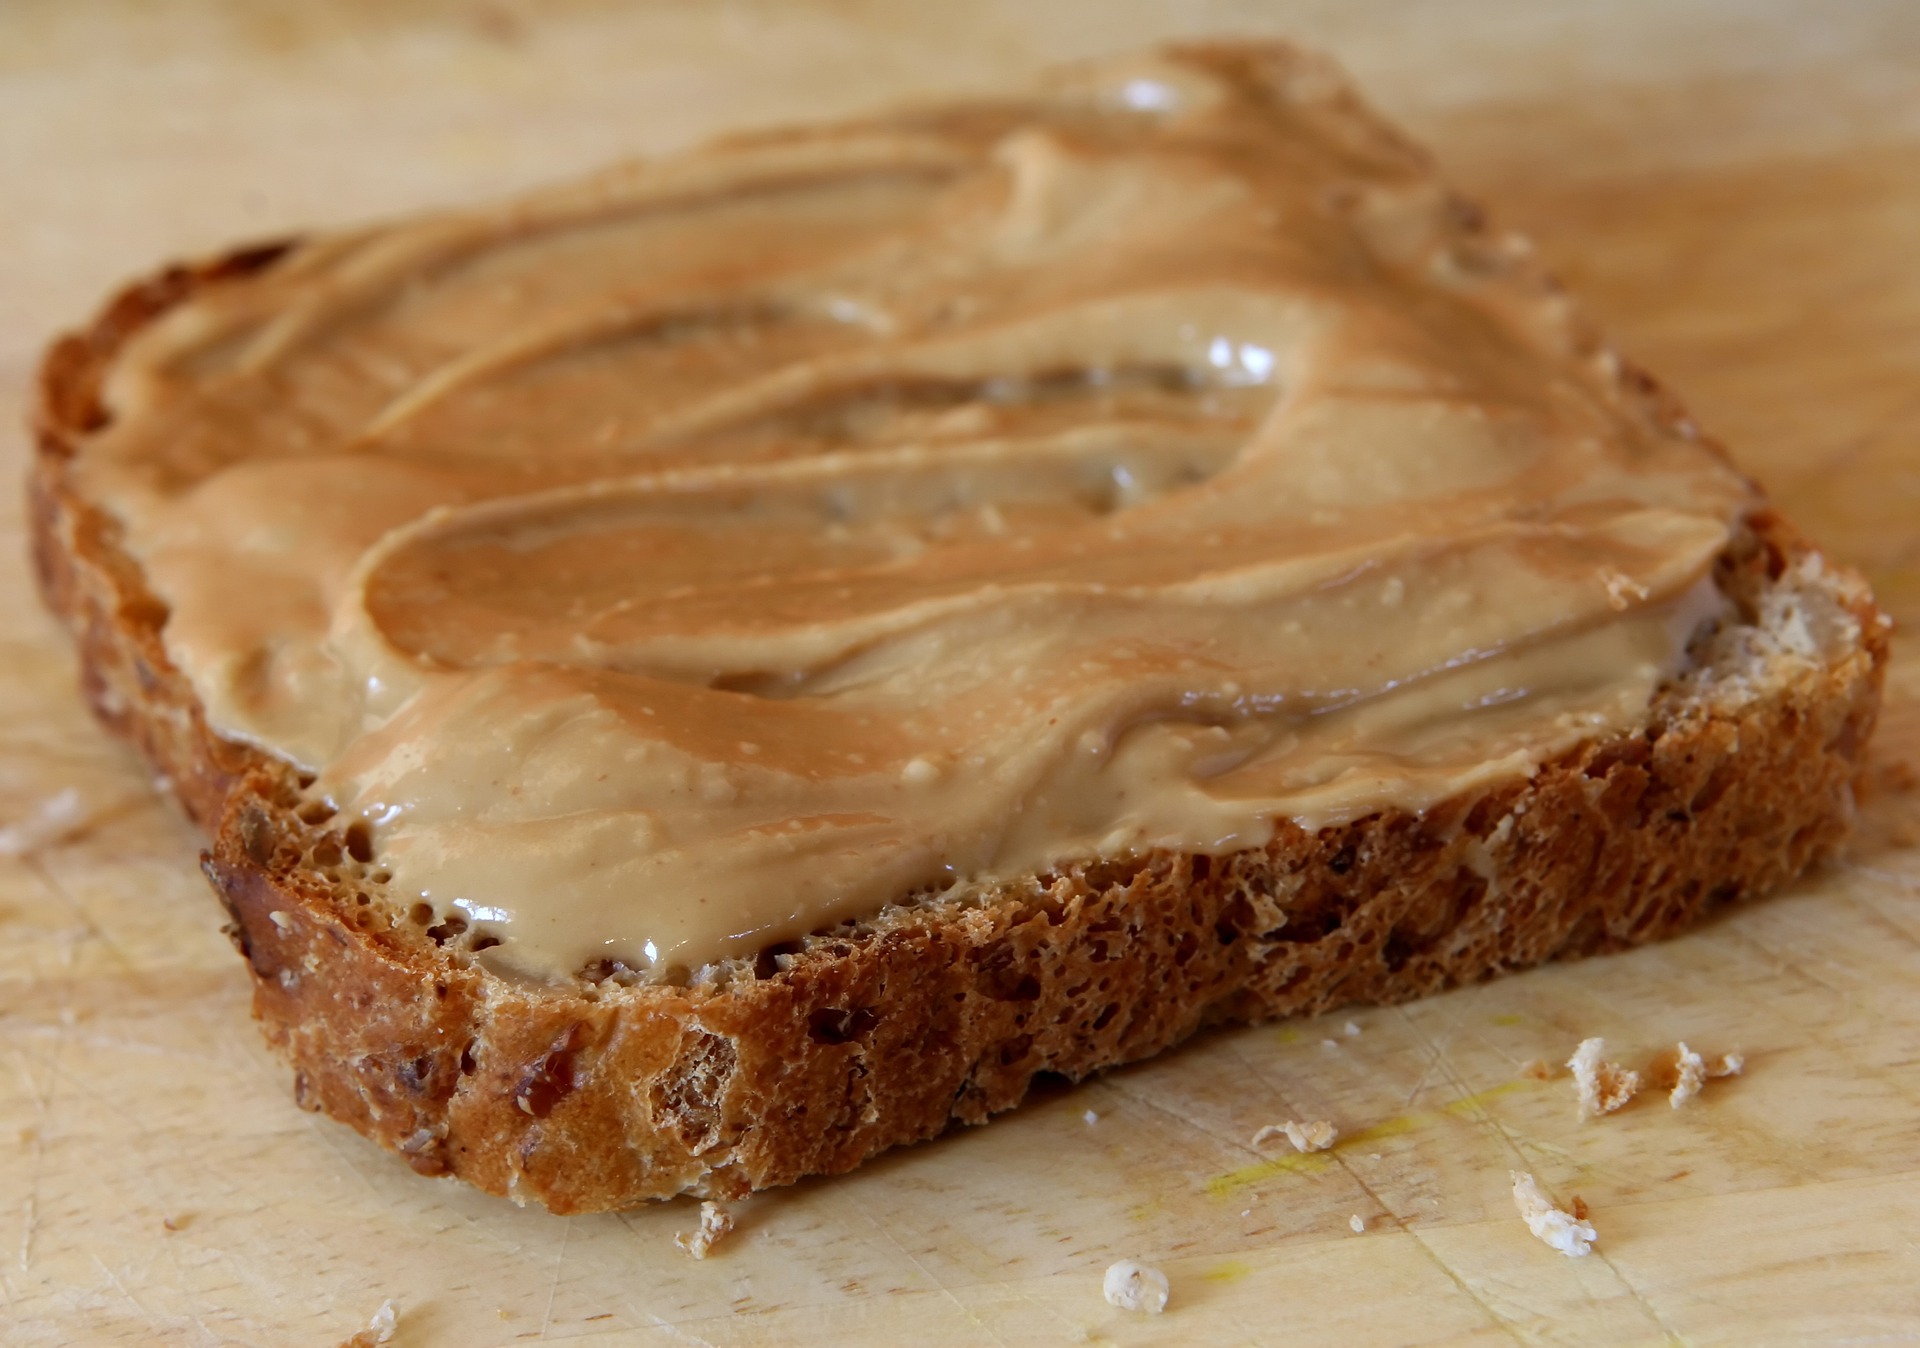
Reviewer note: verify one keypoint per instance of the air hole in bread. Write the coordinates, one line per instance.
(600, 971)
(1003, 981)
(550, 1080)
(1397, 952)
(315, 813)
(416, 1074)
(836, 1025)
(768, 962)
(327, 852)
(1227, 931)
(420, 914)
(483, 942)
(360, 842)
(1605, 760)
(455, 926)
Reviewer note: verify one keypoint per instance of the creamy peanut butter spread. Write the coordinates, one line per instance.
(698, 556)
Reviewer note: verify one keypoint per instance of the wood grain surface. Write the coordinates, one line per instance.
(1734, 187)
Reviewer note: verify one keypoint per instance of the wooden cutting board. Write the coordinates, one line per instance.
(1736, 189)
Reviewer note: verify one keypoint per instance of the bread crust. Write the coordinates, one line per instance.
(596, 1097)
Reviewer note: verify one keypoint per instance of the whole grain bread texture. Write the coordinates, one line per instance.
(814, 1057)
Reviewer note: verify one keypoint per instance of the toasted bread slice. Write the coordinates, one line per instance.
(884, 1029)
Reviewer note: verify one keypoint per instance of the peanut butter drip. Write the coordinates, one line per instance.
(711, 552)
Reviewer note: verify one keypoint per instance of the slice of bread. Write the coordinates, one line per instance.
(882, 1031)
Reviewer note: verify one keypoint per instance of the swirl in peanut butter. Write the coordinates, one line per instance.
(700, 556)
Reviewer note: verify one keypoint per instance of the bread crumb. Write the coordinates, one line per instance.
(1091, 1118)
(1686, 1071)
(1358, 1223)
(1603, 1086)
(1565, 1232)
(1315, 1136)
(1689, 1075)
(715, 1224)
(1135, 1287)
(1329, 1043)
(1536, 1069)
(379, 1330)
(1351, 1029)
(1578, 1207)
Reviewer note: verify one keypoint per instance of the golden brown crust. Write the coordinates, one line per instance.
(601, 1097)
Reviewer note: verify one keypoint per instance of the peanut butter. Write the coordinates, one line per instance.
(699, 556)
